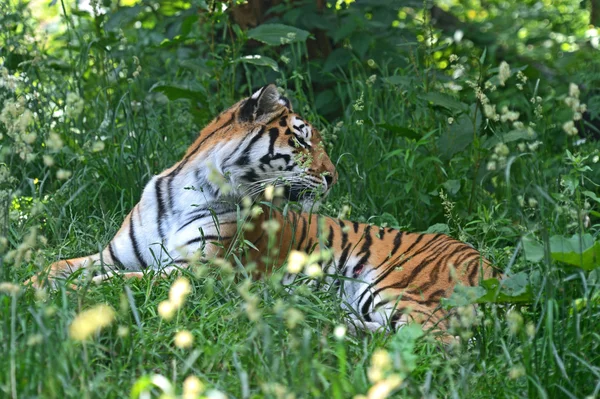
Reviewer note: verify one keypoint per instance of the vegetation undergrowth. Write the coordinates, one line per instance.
(479, 122)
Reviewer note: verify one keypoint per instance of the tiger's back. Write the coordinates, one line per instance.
(388, 277)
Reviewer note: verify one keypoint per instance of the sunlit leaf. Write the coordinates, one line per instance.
(278, 34)
(444, 100)
(534, 251)
(175, 92)
(579, 250)
(260, 60)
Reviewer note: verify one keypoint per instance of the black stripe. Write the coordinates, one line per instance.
(202, 213)
(206, 238)
(368, 240)
(116, 261)
(397, 242)
(355, 225)
(136, 248)
(244, 159)
(304, 231)
(381, 233)
(160, 207)
(343, 258)
(344, 234)
(309, 246)
(273, 134)
(330, 237)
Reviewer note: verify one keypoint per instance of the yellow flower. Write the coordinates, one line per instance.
(269, 191)
(381, 363)
(184, 339)
(293, 317)
(9, 288)
(384, 388)
(63, 174)
(179, 291)
(314, 270)
(91, 321)
(166, 310)
(296, 261)
(192, 387)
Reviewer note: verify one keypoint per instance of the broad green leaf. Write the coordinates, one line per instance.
(513, 289)
(438, 228)
(452, 186)
(515, 285)
(175, 92)
(456, 138)
(260, 60)
(399, 130)
(580, 251)
(513, 135)
(278, 34)
(591, 195)
(444, 100)
(534, 251)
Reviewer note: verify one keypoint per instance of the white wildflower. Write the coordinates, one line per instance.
(569, 128)
(503, 72)
(339, 332)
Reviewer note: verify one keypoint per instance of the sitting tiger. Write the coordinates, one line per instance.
(387, 277)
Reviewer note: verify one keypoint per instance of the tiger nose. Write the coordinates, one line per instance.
(329, 180)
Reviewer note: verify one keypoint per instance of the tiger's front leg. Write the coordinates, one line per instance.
(122, 255)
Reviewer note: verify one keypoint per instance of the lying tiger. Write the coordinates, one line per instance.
(389, 277)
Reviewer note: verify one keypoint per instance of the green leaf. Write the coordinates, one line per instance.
(463, 296)
(444, 100)
(398, 80)
(340, 57)
(513, 135)
(260, 60)
(175, 92)
(534, 251)
(278, 34)
(580, 251)
(452, 186)
(399, 130)
(591, 195)
(403, 344)
(456, 138)
(513, 289)
(438, 228)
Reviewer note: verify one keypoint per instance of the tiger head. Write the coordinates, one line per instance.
(260, 141)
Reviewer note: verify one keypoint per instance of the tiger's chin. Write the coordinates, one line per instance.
(309, 200)
(307, 204)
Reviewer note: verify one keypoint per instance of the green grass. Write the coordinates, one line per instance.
(401, 163)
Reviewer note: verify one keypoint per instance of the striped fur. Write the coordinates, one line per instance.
(259, 141)
(384, 277)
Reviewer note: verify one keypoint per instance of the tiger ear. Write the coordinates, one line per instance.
(261, 106)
